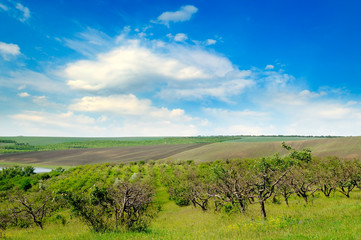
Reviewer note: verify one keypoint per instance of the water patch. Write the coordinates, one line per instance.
(37, 169)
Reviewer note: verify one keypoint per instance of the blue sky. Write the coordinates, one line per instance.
(180, 68)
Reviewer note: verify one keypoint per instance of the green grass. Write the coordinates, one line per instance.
(272, 138)
(11, 164)
(35, 141)
(324, 218)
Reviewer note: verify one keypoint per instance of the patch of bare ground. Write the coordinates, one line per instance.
(76, 157)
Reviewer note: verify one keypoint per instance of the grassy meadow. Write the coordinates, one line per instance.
(324, 218)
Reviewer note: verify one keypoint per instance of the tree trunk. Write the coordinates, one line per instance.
(286, 200)
(263, 210)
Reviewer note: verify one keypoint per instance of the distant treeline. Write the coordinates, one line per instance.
(7, 141)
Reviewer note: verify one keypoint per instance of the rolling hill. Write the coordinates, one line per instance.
(343, 147)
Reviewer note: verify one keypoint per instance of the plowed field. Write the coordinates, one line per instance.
(76, 157)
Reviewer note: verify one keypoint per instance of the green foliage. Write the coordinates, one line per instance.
(25, 184)
(125, 205)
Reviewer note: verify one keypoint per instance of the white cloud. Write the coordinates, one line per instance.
(179, 37)
(127, 106)
(294, 110)
(24, 94)
(223, 90)
(9, 49)
(32, 80)
(16, 10)
(209, 42)
(163, 122)
(129, 67)
(127, 115)
(35, 123)
(44, 102)
(90, 42)
(183, 14)
(269, 67)
(142, 66)
(25, 12)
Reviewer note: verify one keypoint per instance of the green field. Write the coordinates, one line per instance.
(274, 138)
(54, 140)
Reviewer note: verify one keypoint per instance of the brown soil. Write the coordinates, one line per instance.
(76, 157)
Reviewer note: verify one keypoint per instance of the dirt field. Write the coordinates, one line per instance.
(346, 148)
(76, 157)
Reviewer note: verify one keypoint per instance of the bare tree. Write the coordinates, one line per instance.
(231, 185)
(130, 202)
(34, 206)
(284, 188)
(303, 182)
(125, 204)
(345, 178)
(267, 173)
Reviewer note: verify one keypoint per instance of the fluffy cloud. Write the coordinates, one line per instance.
(35, 123)
(179, 37)
(294, 110)
(9, 49)
(129, 67)
(134, 120)
(183, 14)
(143, 66)
(127, 106)
(209, 42)
(269, 67)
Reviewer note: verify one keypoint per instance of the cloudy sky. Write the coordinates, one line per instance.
(180, 68)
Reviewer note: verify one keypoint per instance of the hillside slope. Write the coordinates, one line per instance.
(347, 147)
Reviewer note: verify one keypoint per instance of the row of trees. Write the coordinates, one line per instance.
(238, 183)
(125, 204)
